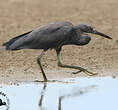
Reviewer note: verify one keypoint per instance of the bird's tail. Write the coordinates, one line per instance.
(10, 42)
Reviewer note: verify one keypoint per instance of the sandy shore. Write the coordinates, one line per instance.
(19, 16)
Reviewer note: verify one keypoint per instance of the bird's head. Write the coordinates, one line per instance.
(88, 29)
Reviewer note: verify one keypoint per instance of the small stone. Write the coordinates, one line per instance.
(114, 77)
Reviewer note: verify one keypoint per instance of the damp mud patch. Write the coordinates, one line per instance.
(77, 94)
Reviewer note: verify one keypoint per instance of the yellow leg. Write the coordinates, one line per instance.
(74, 67)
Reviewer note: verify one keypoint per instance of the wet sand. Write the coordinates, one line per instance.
(20, 16)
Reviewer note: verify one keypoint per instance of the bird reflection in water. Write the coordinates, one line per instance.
(73, 93)
(42, 96)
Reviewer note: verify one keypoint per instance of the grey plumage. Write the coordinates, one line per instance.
(50, 36)
(53, 36)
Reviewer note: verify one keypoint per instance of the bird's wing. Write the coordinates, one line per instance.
(15, 38)
(51, 35)
(43, 37)
(50, 28)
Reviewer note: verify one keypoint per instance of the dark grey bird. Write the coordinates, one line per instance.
(54, 36)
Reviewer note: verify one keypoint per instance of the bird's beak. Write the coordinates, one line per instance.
(101, 34)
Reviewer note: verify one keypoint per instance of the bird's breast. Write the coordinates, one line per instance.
(84, 39)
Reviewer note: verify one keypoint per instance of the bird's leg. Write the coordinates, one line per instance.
(39, 62)
(74, 67)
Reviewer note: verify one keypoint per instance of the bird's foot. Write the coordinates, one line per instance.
(86, 72)
(77, 67)
(90, 73)
(76, 72)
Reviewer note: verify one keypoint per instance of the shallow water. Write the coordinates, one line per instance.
(77, 94)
